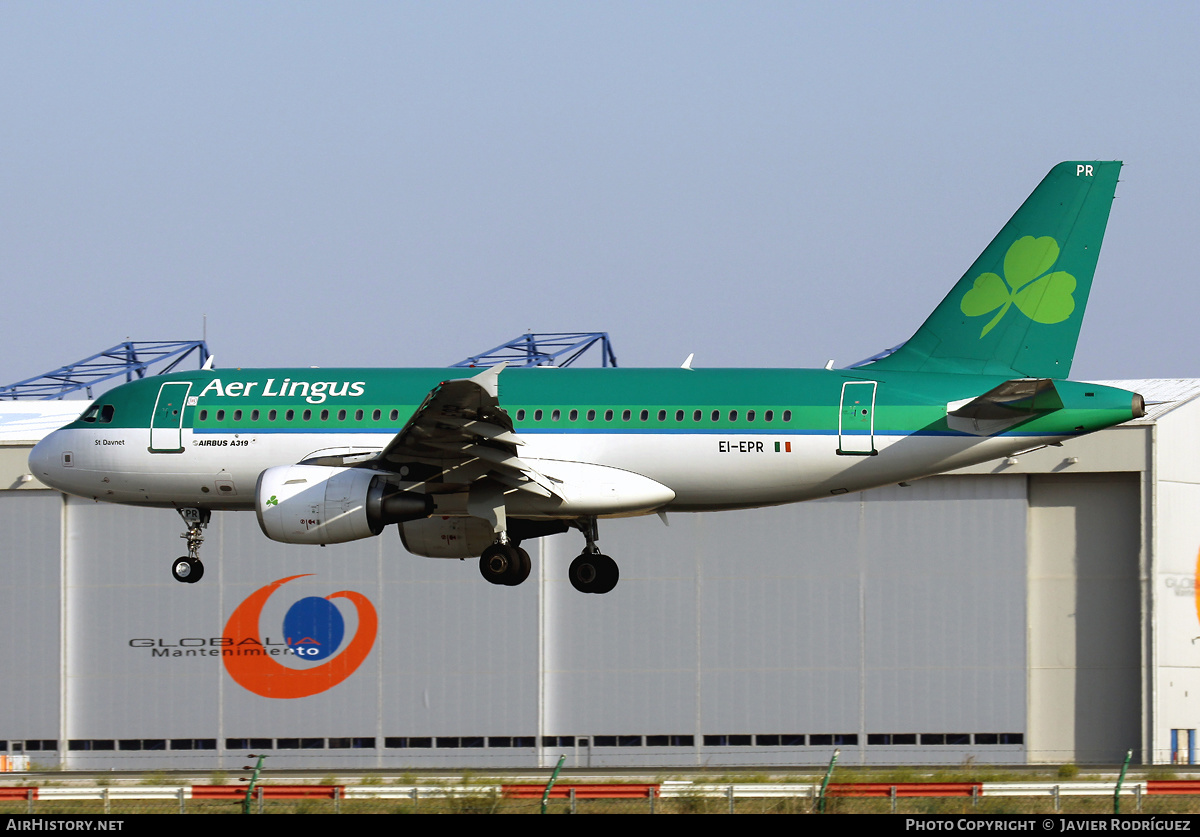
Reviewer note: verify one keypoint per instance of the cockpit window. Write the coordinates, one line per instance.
(101, 412)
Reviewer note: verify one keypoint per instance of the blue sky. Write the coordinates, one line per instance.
(399, 184)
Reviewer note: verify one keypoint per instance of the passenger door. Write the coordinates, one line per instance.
(166, 423)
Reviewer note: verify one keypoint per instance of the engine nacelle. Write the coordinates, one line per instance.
(317, 504)
(447, 537)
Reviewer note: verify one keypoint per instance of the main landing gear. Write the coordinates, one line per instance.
(592, 571)
(504, 563)
(189, 568)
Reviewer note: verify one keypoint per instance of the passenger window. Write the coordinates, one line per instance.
(696, 415)
(537, 415)
(608, 414)
(591, 415)
(749, 415)
(254, 415)
(395, 414)
(625, 416)
(716, 415)
(573, 415)
(679, 415)
(662, 415)
(645, 415)
(787, 415)
(375, 416)
(341, 415)
(289, 415)
(271, 415)
(733, 415)
(324, 415)
(220, 415)
(358, 415)
(308, 415)
(769, 415)
(555, 416)
(203, 415)
(237, 415)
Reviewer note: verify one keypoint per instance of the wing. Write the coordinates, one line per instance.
(458, 436)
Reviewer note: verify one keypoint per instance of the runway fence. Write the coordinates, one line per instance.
(666, 797)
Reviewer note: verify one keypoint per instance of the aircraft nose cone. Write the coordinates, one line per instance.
(45, 460)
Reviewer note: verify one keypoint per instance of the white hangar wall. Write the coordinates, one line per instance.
(1085, 691)
(755, 638)
(30, 611)
(1174, 633)
(838, 618)
(1039, 610)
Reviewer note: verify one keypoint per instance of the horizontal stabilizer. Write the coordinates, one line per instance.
(1003, 407)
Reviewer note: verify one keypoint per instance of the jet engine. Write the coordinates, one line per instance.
(318, 504)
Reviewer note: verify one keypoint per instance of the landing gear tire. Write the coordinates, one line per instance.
(523, 569)
(593, 572)
(187, 570)
(504, 564)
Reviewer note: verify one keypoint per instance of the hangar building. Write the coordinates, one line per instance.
(1038, 609)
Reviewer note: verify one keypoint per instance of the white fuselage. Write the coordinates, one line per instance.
(703, 470)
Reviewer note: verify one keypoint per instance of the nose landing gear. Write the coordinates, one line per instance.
(189, 569)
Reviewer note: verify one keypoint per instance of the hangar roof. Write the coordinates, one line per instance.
(1162, 394)
(30, 421)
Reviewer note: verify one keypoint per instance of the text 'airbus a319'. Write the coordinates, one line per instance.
(476, 466)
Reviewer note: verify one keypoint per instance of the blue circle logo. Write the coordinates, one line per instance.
(314, 628)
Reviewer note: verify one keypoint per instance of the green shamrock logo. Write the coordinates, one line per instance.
(1042, 297)
(273, 501)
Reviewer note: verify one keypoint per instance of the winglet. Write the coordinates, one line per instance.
(489, 379)
(687, 364)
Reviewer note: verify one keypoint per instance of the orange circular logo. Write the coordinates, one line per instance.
(313, 631)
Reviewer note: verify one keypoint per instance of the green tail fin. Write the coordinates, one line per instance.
(1017, 311)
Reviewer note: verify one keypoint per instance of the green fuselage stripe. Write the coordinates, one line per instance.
(799, 401)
